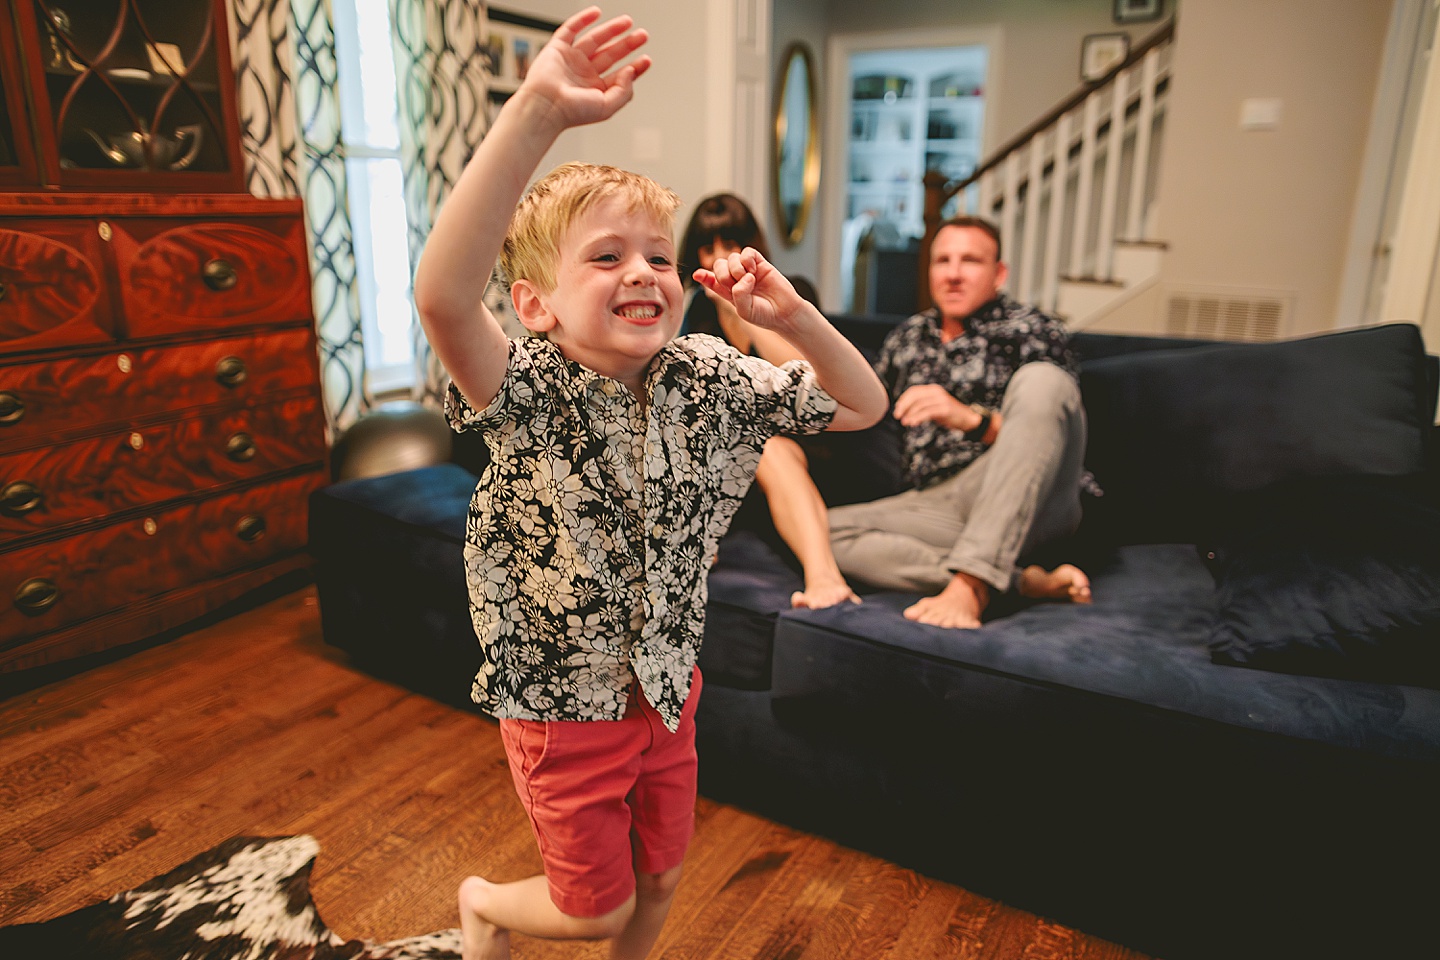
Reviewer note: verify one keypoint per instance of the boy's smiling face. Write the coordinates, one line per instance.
(617, 299)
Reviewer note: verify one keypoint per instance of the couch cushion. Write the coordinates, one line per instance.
(1331, 612)
(390, 575)
(749, 585)
(1174, 433)
(1339, 577)
(1139, 651)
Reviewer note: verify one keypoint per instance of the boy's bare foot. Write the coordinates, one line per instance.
(1065, 582)
(480, 939)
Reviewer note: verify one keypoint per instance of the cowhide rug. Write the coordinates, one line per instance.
(247, 899)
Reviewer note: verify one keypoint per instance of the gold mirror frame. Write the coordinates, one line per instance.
(793, 213)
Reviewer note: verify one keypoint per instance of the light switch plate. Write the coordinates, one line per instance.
(1260, 113)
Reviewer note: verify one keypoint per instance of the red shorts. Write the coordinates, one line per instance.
(606, 798)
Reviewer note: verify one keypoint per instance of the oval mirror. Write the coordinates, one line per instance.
(797, 143)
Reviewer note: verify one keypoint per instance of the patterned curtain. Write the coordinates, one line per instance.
(290, 133)
(441, 79)
(290, 126)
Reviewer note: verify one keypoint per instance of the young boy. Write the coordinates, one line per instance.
(618, 459)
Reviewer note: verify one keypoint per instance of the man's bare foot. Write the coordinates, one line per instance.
(1065, 582)
(480, 939)
(958, 606)
(818, 596)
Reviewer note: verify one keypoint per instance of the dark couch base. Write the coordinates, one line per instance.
(1173, 847)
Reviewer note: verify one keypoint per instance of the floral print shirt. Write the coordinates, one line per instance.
(975, 367)
(592, 530)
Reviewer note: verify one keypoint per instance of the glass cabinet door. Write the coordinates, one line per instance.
(17, 158)
(132, 94)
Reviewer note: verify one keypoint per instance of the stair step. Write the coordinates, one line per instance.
(1095, 281)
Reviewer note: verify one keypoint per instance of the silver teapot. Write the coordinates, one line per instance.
(171, 153)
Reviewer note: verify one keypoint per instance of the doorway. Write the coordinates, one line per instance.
(903, 102)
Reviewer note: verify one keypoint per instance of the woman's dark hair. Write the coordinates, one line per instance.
(725, 216)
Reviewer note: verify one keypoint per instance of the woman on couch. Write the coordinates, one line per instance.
(723, 224)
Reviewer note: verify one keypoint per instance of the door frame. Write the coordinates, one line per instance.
(1370, 254)
(837, 108)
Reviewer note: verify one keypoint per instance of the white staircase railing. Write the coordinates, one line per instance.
(1061, 204)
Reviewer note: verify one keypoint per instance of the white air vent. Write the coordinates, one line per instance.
(1227, 314)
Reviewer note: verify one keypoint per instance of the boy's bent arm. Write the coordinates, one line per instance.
(566, 86)
(766, 299)
(841, 369)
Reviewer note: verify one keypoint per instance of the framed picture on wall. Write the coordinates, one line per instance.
(514, 40)
(1138, 11)
(1102, 52)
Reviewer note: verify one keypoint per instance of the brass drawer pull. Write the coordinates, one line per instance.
(20, 497)
(219, 274)
(12, 408)
(240, 447)
(36, 595)
(230, 371)
(250, 528)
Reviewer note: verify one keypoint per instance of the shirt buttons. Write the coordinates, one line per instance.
(657, 531)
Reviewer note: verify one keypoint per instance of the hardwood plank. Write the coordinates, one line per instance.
(254, 726)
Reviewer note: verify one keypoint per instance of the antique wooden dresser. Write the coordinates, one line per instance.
(161, 425)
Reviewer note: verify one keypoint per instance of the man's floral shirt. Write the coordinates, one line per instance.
(593, 528)
(975, 367)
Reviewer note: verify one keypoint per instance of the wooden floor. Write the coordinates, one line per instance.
(254, 726)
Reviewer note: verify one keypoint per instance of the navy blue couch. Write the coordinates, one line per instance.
(1234, 752)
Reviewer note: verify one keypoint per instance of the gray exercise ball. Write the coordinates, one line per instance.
(396, 436)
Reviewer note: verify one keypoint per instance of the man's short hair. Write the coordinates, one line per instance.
(979, 223)
(554, 202)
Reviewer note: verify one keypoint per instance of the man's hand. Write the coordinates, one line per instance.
(931, 402)
(569, 73)
(759, 292)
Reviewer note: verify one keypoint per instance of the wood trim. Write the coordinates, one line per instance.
(145, 619)
(24, 171)
(94, 204)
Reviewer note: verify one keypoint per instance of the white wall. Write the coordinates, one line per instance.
(657, 133)
(1268, 210)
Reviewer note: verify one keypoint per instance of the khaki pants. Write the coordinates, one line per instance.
(1022, 492)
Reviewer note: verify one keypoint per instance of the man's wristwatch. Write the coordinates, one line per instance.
(983, 427)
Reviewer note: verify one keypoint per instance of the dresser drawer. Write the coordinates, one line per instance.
(39, 401)
(53, 285)
(52, 585)
(192, 277)
(48, 487)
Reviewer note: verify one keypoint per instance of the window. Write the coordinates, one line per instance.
(370, 132)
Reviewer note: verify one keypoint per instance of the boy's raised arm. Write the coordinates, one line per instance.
(572, 82)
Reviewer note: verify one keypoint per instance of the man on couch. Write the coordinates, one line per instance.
(994, 441)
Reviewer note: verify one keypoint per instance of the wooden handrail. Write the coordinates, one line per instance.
(938, 190)
(1166, 32)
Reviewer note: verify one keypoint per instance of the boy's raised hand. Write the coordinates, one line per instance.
(570, 71)
(761, 293)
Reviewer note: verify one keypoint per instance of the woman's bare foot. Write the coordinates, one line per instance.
(818, 596)
(480, 939)
(1065, 582)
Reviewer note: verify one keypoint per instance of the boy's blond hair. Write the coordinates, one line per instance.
(555, 201)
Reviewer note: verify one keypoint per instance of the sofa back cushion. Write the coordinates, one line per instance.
(1174, 434)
